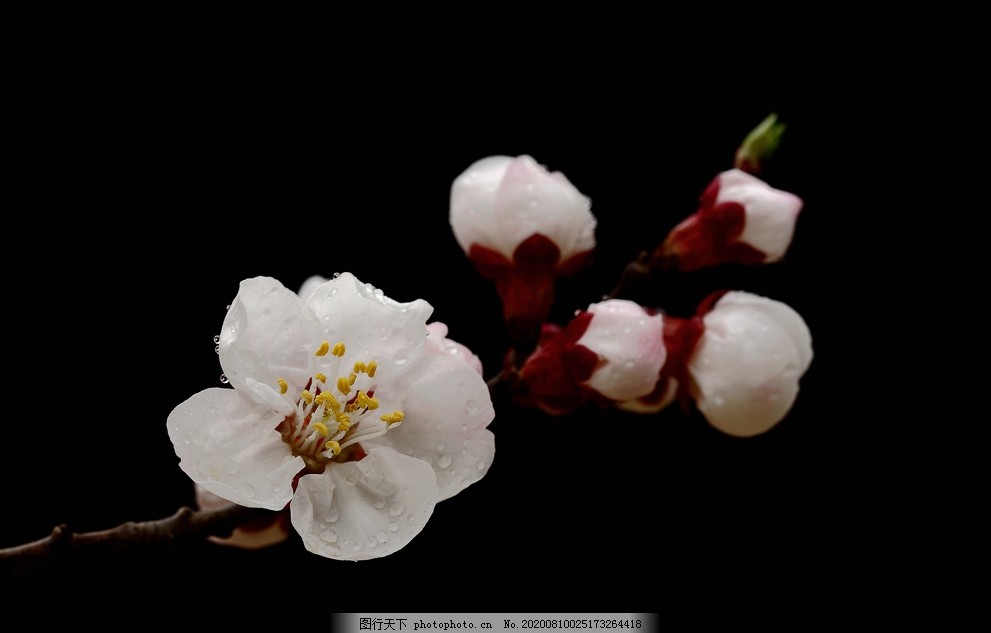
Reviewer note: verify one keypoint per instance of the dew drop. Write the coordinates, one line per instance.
(393, 526)
(627, 330)
(336, 275)
(216, 339)
(333, 515)
(396, 508)
(480, 465)
(444, 461)
(628, 364)
(356, 546)
(439, 447)
(216, 349)
(230, 466)
(381, 536)
(379, 503)
(399, 358)
(409, 517)
(329, 535)
(223, 379)
(228, 306)
(471, 407)
(333, 291)
(246, 490)
(372, 542)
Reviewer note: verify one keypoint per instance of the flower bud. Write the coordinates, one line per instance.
(741, 220)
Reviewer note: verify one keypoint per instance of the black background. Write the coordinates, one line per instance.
(151, 205)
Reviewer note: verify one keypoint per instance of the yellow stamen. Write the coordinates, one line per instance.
(324, 348)
(321, 428)
(334, 446)
(306, 396)
(343, 422)
(321, 377)
(393, 418)
(283, 385)
(338, 349)
(352, 378)
(373, 403)
(343, 385)
(370, 369)
(359, 366)
(328, 400)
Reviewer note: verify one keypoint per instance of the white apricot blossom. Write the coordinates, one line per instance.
(339, 411)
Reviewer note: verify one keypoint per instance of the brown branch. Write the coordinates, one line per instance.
(184, 525)
(635, 271)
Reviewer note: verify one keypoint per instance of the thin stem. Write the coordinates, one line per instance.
(634, 272)
(184, 525)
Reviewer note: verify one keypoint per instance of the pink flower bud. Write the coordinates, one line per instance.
(612, 352)
(522, 227)
(741, 219)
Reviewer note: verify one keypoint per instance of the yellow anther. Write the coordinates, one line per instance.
(359, 366)
(343, 422)
(373, 403)
(321, 428)
(343, 385)
(352, 378)
(328, 400)
(321, 377)
(283, 385)
(393, 418)
(338, 349)
(324, 348)
(306, 396)
(334, 446)
(370, 369)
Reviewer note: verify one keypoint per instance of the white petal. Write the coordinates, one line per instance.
(631, 342)
(228, 444)
(372, 326)
(748, 362)
(364, 509)
(530, 200)
(263, 339)
(771, 214)
(309, 286)
(473, 203)
(447, 407)
(438, 344)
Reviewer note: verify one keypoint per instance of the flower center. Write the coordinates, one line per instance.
(334, 410)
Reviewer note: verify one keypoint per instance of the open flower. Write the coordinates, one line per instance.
(740, 220)
(747, 363)
(612, 352)
(337, 408)
(522, 227)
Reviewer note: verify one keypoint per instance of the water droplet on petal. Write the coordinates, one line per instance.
(444, 461)
(480, 465)
(336, 275)
(379, 503)
(228, 306)
(356, 546)
(247, 491)
(381, 536)
(216, 349)
(439, 447)
(471, 407)
(223, 378)
(393, 526)
(400, 358)
(396, 508)
(333, 291)
(409, 517)
(332, 515)
(372, 542)
(329, 535)
(216, 339)
(230, 466)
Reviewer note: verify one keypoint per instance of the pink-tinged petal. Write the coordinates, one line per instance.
(263, 339)
(228, 444)
(630, 346)
(473, 217)
(748, 362)
(438, 344)
(771, 214)
(532, 201)
(364, 509)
